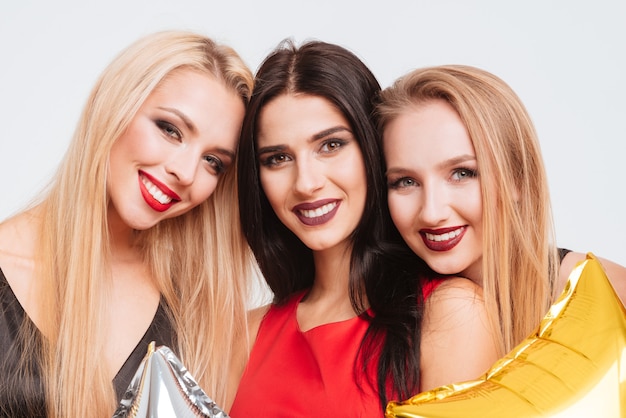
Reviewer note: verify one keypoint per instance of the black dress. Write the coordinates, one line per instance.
(21, 389)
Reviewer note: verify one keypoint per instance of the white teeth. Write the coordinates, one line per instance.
(323, 210)
(154, 191)
(443, 237)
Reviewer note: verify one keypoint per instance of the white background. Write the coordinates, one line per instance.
(565, 58)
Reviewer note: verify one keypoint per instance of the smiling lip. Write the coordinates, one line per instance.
(156, 194)
(316, 213)
(442, 239)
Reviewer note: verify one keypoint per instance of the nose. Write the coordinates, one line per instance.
(435, 207)
(309, 176)
(183, 165)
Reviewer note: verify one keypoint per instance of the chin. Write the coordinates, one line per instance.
(446, 269)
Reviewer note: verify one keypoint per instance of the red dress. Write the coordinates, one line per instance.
(307, 374)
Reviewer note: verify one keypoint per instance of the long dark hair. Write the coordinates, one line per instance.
(337, 75)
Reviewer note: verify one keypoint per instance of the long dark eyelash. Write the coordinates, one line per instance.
(168, 128)
(471, 172)
(269, 161)
(394, 184)
(338, 141)
(217, 164)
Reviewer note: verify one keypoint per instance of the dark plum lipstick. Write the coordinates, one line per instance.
(316, 213)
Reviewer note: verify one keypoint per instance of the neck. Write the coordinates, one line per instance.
(122, 239)
(330, 292)
(332, 271)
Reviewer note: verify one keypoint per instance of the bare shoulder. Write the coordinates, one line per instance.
(255, 316)
(17, 261)
(17, 247)
(454, 290)
(458, 342)
(455, 301)
(615, 272)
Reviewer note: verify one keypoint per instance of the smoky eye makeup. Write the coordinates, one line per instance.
(169, 129)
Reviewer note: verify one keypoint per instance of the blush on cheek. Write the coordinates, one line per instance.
(205, 191)
(397, 212)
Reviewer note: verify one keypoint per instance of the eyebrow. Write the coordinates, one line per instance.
(315, 137)
(457, 160)
(273, 148)
(444, 164)
(227, 153)
(190, 125)
(329, 131)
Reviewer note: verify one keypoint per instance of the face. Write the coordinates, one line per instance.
(311, 169)
(434, 191)
(175, 149)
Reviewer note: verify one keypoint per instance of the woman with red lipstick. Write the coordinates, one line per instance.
(341, 332)
(469, 195)
(127, 244)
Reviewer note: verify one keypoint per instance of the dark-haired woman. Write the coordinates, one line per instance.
(343, 331)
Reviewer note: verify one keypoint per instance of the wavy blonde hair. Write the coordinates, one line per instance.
(519, 254)
(200, 259)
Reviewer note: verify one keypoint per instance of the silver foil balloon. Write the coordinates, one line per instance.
(162, 387)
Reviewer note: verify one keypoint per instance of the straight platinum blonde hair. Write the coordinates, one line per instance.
(519, 262)
(200, 259)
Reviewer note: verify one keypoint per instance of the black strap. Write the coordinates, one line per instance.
(562, 253)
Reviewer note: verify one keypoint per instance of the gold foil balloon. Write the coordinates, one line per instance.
(574, 365)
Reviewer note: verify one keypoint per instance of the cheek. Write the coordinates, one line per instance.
(474, 205)
(402, 212)
(139, 144)
(274, 186)
(203, 188)
(351, 173)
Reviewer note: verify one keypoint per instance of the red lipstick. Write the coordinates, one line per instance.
(150, 200)
(455, 236)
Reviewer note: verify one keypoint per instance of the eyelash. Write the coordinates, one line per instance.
(337, 144)
(215, 163)
(402, 181)
(327, 147)
(470, 173)
(169, 130)
(272, 160)
(397, 184)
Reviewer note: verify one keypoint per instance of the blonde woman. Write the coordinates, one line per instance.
(136, 238)
(467, 190)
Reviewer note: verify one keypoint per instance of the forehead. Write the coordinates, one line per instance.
(297, 116)
(431, 119)
(429, 130)
(176, 81)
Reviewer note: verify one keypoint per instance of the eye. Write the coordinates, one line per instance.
(275, 160)
(332, 145)
(215, 163)
(461, 174)
(169, 130)
(401, 183)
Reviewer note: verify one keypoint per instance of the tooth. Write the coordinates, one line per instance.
(322, 210)
(445, 236)
(155, 192)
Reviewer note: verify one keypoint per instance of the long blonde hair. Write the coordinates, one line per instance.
(200, 259)
(519, 256)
